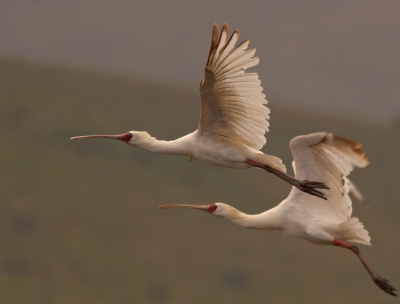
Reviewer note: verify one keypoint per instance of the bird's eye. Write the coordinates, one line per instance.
(212, 208)
(126, 137)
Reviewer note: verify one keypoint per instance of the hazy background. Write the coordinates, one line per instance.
(79, 220)
(329, 55)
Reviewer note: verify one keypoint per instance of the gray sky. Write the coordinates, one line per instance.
(340, 56)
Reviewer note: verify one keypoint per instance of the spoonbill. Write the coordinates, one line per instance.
(328, 158)
(233, 118)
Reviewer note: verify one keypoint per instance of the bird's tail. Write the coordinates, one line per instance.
(353, 230)
(270, 160)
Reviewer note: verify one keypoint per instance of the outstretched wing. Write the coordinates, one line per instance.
(327, 158)
(232, 102)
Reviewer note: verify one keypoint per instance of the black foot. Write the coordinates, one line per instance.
(311, 184)
(385, 286)
(311, 191)
(309, 187)
(303, 185)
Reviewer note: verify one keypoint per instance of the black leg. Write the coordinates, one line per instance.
(305, 185)
(378, 280)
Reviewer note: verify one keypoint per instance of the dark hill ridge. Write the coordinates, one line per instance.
(80, 222)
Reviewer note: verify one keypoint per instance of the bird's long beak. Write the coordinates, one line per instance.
(209, 208)
(126, 137)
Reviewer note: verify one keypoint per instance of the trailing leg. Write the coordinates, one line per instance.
(381, 282)
(304, 185)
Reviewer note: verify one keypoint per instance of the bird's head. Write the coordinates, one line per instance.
(218, 209)
(131, 137)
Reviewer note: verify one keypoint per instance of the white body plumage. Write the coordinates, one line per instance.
(325, 157)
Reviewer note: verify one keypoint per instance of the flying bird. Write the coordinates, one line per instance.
(233, 118)
(330, 159)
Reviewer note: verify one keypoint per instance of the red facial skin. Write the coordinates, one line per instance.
(126, 137)
(211, 208)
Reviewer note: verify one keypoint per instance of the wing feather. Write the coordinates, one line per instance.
(232, 102)
(328, 158)
(228, 48)
(234, 54)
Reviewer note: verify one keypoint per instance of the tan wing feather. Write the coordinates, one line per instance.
(232, 102)
(328, 158)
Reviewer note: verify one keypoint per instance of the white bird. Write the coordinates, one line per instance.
(233, 117)
(330, 159)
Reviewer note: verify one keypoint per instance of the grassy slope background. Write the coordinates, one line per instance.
(80, 224)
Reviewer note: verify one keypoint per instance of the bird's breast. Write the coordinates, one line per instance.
(219, 152)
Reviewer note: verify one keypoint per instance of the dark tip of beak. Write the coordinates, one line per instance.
(126, 137)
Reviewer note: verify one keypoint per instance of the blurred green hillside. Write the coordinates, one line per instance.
(80, 224)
